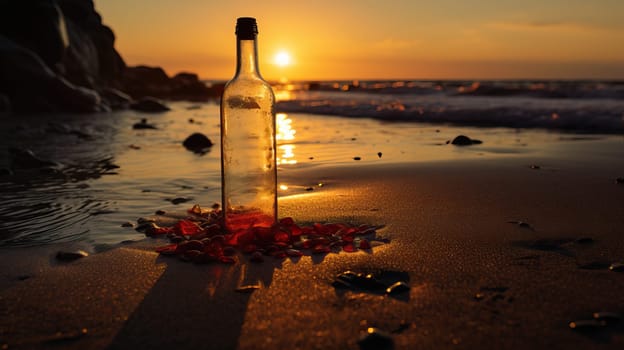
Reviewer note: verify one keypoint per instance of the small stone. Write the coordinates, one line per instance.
(256, 257)
(376, 339)
(339, 284)
(179, 200)
(357, 158)
(586, 325)
(595, 265)
(585, 240)
(463, 140)
(143, 125)
(71, 256)
(160, 212)
(397, 288)
(379, 154)
(309, 189)
(229, 251)
(127, 224)
(608, 317)
(617, 267)
(248, 288)
(294, 253)
(197, 143)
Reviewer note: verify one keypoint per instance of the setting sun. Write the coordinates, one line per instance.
(282, 59)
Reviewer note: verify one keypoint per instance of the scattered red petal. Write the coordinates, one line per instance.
(349, 248)
(166, 249)
(227, 259)
(364, 244)
(255, 234)
(186, 228)
(320, 249)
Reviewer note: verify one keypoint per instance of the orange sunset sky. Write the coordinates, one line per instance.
(365, 39)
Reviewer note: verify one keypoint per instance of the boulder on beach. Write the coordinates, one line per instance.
(142, 81)
(58, 56)
(55, 56)
(149, 105)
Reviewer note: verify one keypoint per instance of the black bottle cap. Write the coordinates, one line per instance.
(246, 28)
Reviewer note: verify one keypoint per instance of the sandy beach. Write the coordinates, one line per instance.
(477, 280)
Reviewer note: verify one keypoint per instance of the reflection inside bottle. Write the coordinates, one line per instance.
(285, 133)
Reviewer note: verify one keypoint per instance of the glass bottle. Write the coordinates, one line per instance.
(248, 160)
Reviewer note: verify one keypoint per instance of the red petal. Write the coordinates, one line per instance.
(288, 221)
(167, 249)
(364, 244)
(349, 248)
(186, 228)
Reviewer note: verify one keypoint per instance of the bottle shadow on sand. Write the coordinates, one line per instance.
(195, 306)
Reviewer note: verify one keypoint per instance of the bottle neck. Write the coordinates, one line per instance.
(247, 58)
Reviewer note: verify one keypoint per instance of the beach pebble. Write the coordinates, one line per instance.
(71, 256)
(256, 257)
(595, 265)
(608, 317)
(376, 339)
(617, 267)
(127, 224)
(248, 288)
(379, 154)
(584, 240)
(179, 200)
(463, 140)
(586, 325)
(357, 158)
(197, 143)
(397, 288)
(143, 125)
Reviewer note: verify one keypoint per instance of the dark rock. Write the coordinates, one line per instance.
(463, 140)
(376, 339)
(26, 159)
(150, 105)
(617, 267)
(5, 104)
(143, 124)
(397, 288)
(115, 99)
(71, 256)
(197, 143)
(141, 81)
(33, 87)
(55, 56)
(38, 26)
(608, 317)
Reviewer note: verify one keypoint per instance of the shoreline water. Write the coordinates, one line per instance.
(110, 174)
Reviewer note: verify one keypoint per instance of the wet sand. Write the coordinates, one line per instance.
(476, 279)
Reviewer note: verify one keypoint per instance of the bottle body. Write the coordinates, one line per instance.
(248, 159)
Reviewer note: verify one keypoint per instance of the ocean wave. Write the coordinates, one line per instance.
(592, 107)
